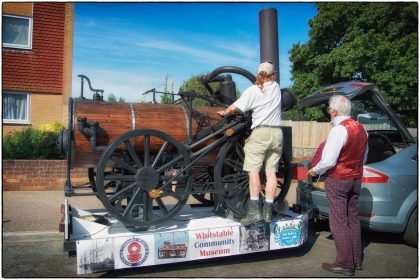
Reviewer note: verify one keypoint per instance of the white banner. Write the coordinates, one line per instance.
(211, 243)
(146, 248)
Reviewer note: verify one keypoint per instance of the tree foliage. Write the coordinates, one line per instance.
(113, 98)
(33, 143)
(372, 42)
(165, 99)
(194, 85)
(121, 99)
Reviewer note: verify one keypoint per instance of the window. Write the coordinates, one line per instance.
(371, 116)
(17, 32)
(16, 108)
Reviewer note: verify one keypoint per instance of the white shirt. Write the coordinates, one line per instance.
(265, 105)
(335, 142)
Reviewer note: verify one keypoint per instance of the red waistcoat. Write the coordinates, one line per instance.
(350, 160)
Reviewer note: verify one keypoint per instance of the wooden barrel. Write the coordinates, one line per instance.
(117, 118)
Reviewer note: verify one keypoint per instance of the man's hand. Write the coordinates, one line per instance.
(232, 108)
(311, 172)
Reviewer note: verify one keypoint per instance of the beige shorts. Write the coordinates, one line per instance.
(263, 147)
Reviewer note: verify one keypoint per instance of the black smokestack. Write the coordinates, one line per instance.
(269, 43)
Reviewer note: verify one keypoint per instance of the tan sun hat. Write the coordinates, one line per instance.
(266, 67)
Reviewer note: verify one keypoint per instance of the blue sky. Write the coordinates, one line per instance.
(128, 48)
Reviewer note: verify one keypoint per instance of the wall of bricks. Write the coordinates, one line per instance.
(47, 175)
(45, 71)
(43, 112)
(23, 9)
(39, 69)
(39, 175)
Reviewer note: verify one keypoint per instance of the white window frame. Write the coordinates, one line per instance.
(30, 28)
(28, 109)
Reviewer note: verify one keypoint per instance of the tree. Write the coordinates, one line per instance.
(165, 98)
(372, 42)
(194, 85)
(113, 98)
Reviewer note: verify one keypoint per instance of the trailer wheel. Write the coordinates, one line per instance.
(232, 183)
(134, 181)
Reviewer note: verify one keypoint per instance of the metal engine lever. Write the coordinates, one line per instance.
(213, 76)
(228, 69)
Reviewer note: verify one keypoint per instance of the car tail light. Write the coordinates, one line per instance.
(371, 176)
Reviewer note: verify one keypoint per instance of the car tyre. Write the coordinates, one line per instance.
(410, 235)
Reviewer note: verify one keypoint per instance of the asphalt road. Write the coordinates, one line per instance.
(40, 254)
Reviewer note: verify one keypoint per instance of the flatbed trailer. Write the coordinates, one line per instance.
(101, 243)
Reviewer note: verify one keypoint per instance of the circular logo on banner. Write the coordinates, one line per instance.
(134, 252)
(288, 237)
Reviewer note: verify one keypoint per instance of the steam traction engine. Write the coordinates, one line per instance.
(145, 160)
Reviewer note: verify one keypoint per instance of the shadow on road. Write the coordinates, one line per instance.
(368, 236)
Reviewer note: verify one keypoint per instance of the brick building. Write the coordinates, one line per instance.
(37, 63)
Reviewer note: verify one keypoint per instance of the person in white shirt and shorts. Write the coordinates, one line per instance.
(264, 146)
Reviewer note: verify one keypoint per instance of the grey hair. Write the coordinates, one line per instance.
(342, 104)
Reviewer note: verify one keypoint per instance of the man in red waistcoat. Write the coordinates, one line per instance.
(343, 156)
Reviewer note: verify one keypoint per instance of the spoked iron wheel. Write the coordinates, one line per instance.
(232, 183)
(139, 180)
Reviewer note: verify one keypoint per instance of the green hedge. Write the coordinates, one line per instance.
(33, 143)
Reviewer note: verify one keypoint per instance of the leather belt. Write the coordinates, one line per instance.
(271, 126)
